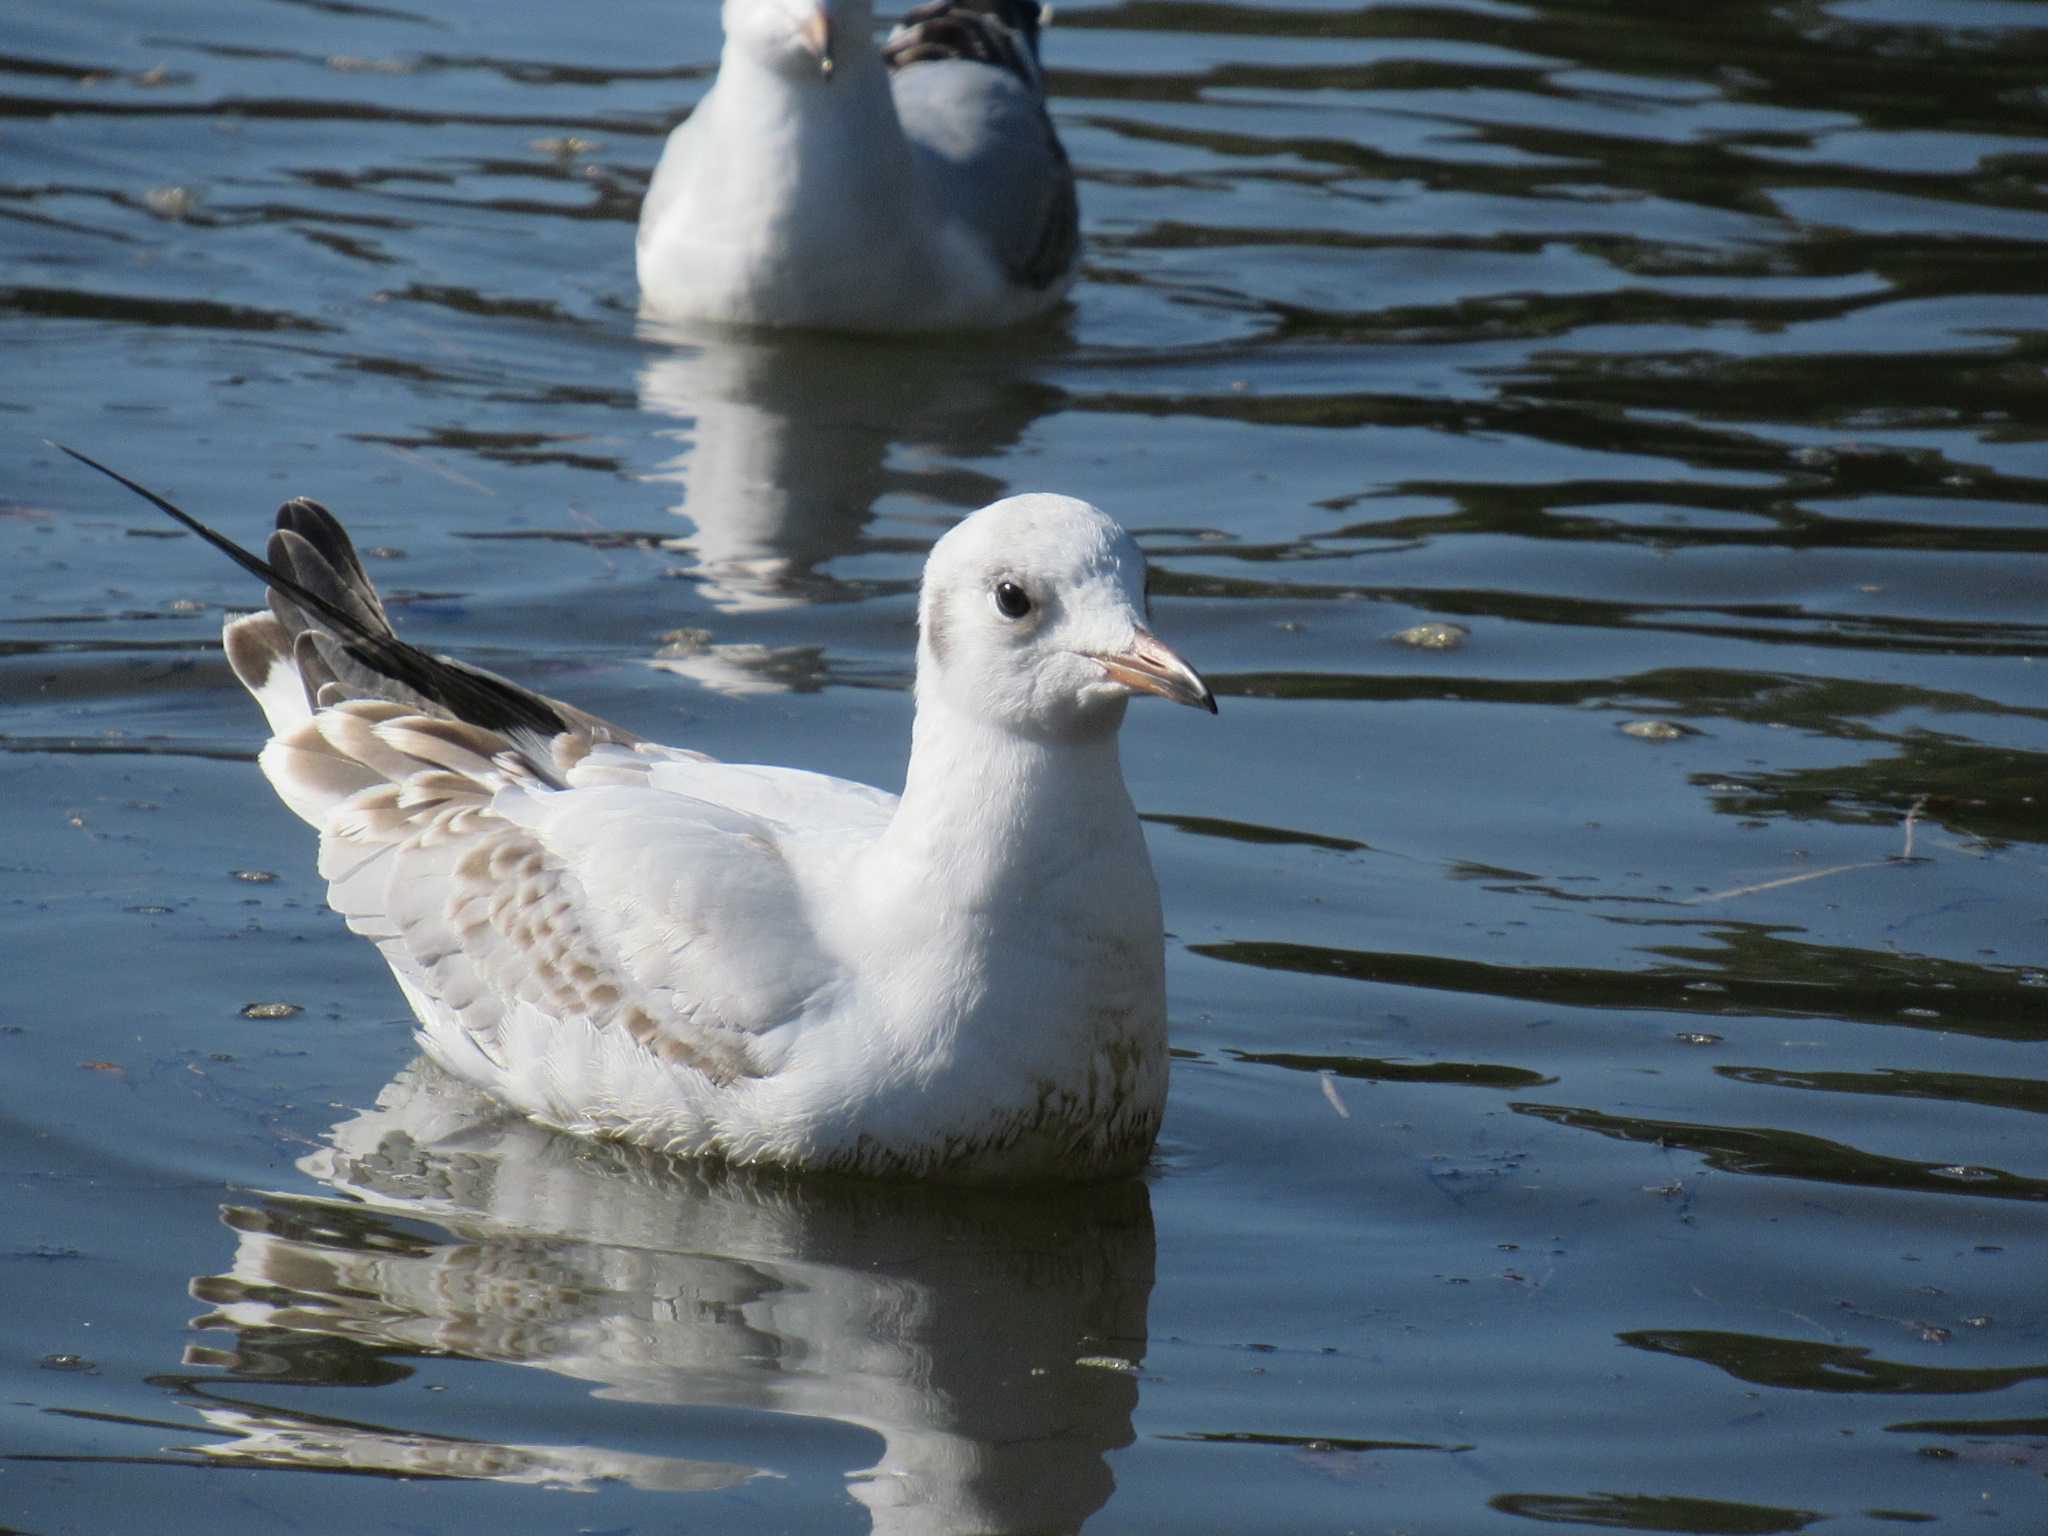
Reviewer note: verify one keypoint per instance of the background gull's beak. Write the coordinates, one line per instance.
(816, 35)
(1149, 667)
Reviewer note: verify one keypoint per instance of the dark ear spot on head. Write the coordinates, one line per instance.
(932, 616)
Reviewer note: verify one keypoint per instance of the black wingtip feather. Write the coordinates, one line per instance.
(1000, 33)
(254, 564)
(465, 692)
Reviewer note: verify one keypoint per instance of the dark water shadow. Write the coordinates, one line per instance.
(1654, 1512)
(1795, 1155)
(1802, 1365)
(1753, 971)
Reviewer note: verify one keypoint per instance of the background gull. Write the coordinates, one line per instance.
(768, 965)
(825, 183)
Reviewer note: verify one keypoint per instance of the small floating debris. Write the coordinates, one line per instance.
(173, 202)
(1329, 1083)
(1433, 636)
(1115, 1363)
(567, 147)
(1656, 730)
(271, 1010)
(1965, 1173)
(255, 876)
(156, 74)
(352, 64)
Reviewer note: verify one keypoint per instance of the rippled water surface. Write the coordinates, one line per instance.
(1596, 451)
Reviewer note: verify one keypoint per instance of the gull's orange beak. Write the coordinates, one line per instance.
(816, 35)
(1149, 667)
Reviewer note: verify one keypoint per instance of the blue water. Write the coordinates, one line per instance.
(1608, 1087)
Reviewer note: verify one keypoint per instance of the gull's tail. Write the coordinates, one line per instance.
(326, 641)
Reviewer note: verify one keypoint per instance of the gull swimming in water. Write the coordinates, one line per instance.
(627, 940)
(828, 184)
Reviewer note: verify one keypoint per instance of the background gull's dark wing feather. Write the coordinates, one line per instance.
(990, 136)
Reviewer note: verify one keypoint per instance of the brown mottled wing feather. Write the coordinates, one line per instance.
(430, 783)
(479, 886)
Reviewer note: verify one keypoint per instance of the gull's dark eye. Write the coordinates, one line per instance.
(1012, 601)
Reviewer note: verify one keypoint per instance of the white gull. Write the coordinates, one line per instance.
(827, 184)
(628, 940)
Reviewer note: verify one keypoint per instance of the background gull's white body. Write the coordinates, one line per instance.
(916, 192)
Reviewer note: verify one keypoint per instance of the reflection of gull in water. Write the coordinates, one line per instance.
(954, 1325)
(786, 443)
(274, 1437)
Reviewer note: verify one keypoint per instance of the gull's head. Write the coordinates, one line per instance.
(1034, 618)
(798, 37)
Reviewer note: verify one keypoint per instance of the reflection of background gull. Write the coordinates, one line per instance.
(952, 1324)
(788, 441)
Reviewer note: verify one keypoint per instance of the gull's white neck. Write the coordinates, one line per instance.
(994, 816)
(782, 212)
(767, 111)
